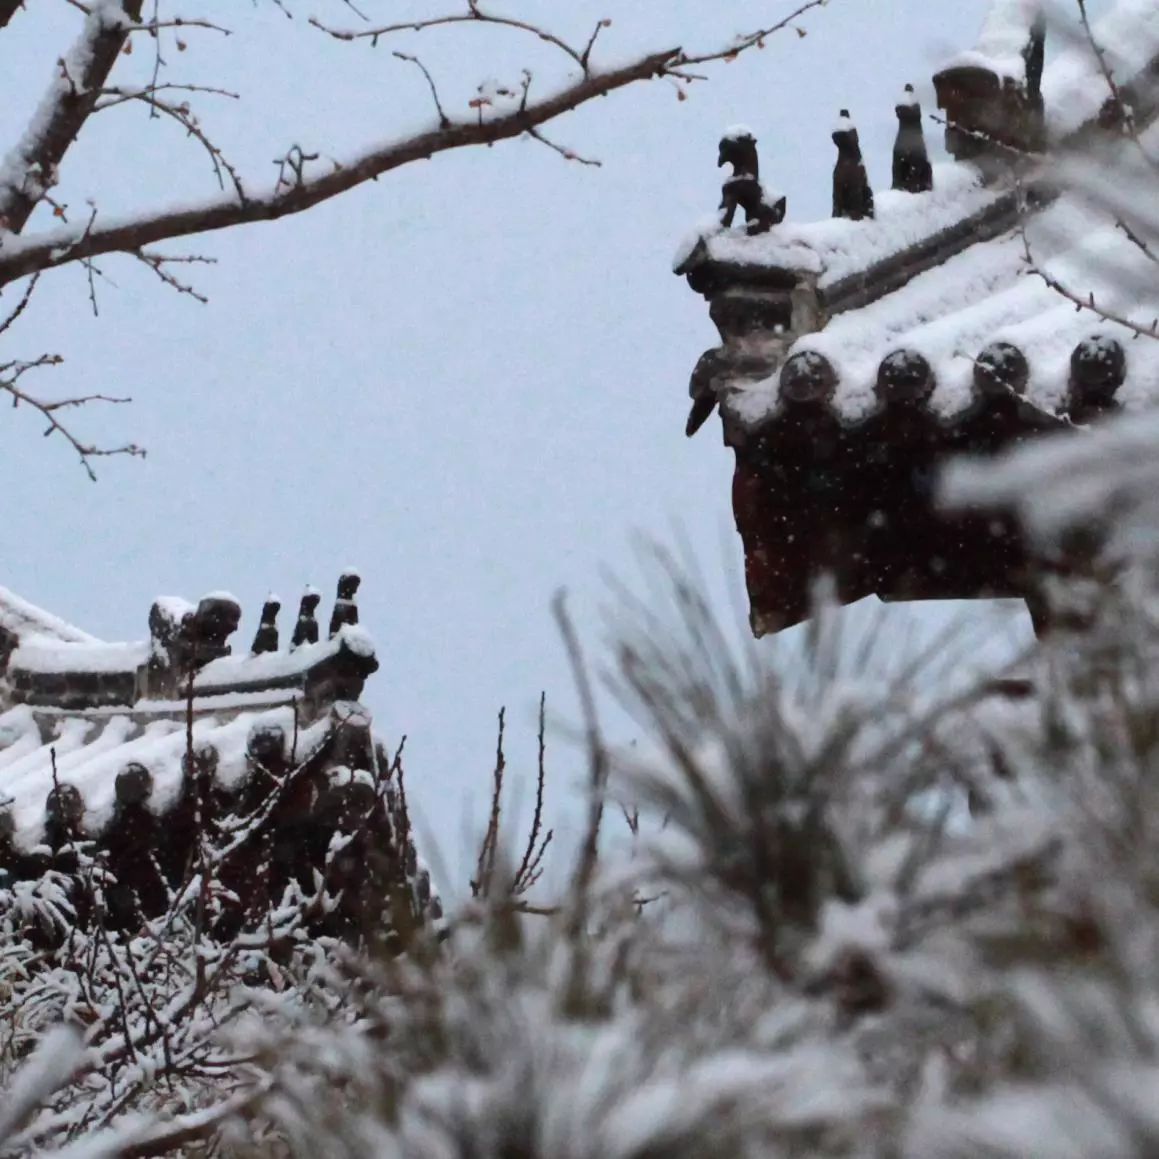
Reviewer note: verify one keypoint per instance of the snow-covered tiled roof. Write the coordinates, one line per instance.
(837, 250)
(987, 294)
(39, 751)
(947, 273)
(1000, 300)
(119, 744)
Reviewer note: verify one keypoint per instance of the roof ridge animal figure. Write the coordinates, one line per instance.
(852, 196)
(912, 171)
(743, 189)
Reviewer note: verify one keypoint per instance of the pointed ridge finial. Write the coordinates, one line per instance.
(345, 604)
(266, 637)
(306, 629)
(852, 195)
(912, 172)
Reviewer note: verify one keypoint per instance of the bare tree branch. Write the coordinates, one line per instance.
(755, 39)
(474, 15)
(22, 256)
(8, 9)
(10, 375)
(30, 169)
(1083, 302)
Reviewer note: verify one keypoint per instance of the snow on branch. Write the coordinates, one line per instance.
(81, 88)
(30, 169)
(82, 84)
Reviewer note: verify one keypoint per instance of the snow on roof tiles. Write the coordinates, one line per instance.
(89, 754)
(77, 712)
(838, 249)
(1004, 34)
(276, 668)
(986, 294)
(1073, 86)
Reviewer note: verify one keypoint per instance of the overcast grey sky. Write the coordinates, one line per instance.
(468, 379)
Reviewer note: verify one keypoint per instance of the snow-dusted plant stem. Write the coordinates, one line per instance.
(865, 910)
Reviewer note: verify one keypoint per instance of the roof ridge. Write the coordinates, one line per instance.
(22, 618)
(1027, 197)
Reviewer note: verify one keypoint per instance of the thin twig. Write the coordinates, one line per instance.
(444, 120)
(20, 306)
(753, 39)
(526, 866)
(481, 886)
(9, 374)
(1080, 302)
(474, 16)
(565, 153)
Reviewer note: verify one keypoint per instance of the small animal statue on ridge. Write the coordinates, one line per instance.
(743, 189)
(852, 196)
(911, 163)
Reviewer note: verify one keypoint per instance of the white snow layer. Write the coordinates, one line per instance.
(266, 667)
(45, 656)
(1005, 33)
(1073, 85)
(985, 294)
